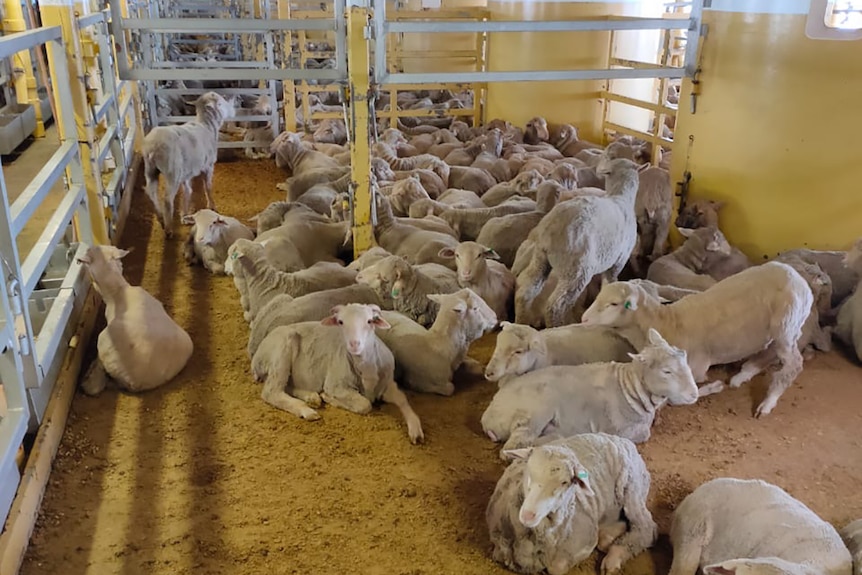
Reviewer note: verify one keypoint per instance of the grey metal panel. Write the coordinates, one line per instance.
(182, 119)
(105, 143)
(14, 43)
(51, 333)
(532, 76)
(693, 37)
(31, 198)
(228, 25)
(527, 26)
(90, 19)
(224, 74)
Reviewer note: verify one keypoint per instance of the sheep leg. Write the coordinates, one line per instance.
(168, 207)
(791, 367)
(609, 533)
(311, 398)
(208, 187)
(337, 394)
(186, 189)
(686, 559)
(753, 366)
(274, 369)
(530, 282)
(273, 393)
(96, 379)
(152, 189)
(642, 534)
(564, 296)
(661, 234)
(393, 395)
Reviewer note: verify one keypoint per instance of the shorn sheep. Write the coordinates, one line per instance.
(182, 153)
(581, 238)
(138, 331)
(755, 315)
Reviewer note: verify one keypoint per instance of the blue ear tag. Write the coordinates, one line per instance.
(628, 305)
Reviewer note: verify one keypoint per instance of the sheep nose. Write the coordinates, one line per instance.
(489, 373)
(528, 516)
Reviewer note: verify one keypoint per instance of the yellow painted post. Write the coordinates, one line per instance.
(288, 86)
(25, 82)
(360, 156)
(61, 13)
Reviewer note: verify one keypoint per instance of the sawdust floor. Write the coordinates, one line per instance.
(202, 477)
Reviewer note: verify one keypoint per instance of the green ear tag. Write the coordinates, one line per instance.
(395, 291)
(234, 255)
(583, 474)
(628, 305)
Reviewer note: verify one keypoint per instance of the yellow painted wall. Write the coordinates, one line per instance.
(776, 133)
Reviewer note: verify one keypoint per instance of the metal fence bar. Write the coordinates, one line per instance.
(232, 25)
(232, 74)
(532, 76)
(34, 194)
(528, 26)
(14, 43)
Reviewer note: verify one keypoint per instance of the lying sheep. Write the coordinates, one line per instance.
(291, 153)
(426, 359)
(184, 152)
(579, 239)
(407, 286)
(755, 315)
(728, 526)
(558, 502)
(357, 367)
(368, 258)
(521, 184)
(210, 237)
(851, 534)
(284, 309)
(620, 398)
(490, 279)
(138, 331)
(470, 178)
(521, 349)
(264, 282)
(416, 245)
(704, 213)
(468, 223)
(277, 213)
(844, 278)
(814, 336)
(684, 267)
(848, 328)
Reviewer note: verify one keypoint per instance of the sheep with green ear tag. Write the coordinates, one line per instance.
(558, 502)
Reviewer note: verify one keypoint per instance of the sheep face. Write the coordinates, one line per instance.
(699, 214)
(853, 257)
(493, 142)
(536, 131)
(551, 476)
(666, 371)
(529, 180)
(608, 165)
(393, 137)
(547, 195)
(513, 353)
(475, 315)
(406, 192)
(614, 306)
(381, 170)
(711, 239)
(566, 175)
(387, 275)
(100, 261)
(568, 134)
(214, 103)
(357, 323)
(470, 259)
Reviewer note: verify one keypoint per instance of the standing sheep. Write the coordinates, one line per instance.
(755, 315)
(735, 526)
(357, 367)
(581, 238)
(138, 331)
(558, 502)
(182, 153)
(614, 397)
(653, 210)
(490, 279)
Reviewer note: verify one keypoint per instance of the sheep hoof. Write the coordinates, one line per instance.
(309, 414)
(613, 561)
(314, 400)
(764, 408)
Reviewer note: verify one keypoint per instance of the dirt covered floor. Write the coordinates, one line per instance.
(202, 477)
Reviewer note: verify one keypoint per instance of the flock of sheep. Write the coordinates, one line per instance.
(482, 228)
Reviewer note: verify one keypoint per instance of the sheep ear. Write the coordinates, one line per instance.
(435, 297)
(631, 303)
(522, 453)
(120, 254)
(504, 324)
(379, 322)
(447, 253)
(655, 337)
(330, 320)
(490, 254)
(686, 232)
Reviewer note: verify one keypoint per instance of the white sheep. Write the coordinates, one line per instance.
(368, 258)
(182, 153)
(210, 237)
(848, 328)
(521, 349)
(749, 527)
(851, 534)
(581, 238)
(521, 184)
(348, 367)
(620, 398)
(684, 266)
(426, 359)
(755, 315)
(558, 502)
(468, 223)
(138, 331)
(490, 279)
(416, 245)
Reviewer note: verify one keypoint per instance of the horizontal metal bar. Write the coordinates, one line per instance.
(531, 26)
(105, 143)
(534, 76)
(426, 113)
(638, 134)
(325, 116)
(232, 74)
(102, 107)
(14, 43)
(40, 254)
(227, 25)
(634, 64)
(196, 64)
(90, 19)
(48, 340)
(31, 198)
(438, 54)
(222, 91)
(426, 86)
(657, 108)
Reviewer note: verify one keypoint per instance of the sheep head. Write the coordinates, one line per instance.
(710, 238)
(101, 261)
(357, 323)
(615, 305)
(699, 214)
(536, 131)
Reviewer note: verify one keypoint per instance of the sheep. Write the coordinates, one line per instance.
(490, 279)
(653, 208)
(357, 367)
(814, 336)
(468, 223)
(620, 398)
(408, 286)
(704, 213)
(521, 349)
(291, 153)
(848, 328)
(470, 178)
(426, 161)
(138, 331)
(416, 245)
(331, 131)
(463, 199)
(522, 183)
(406, 192)
(536, 131)
(426, 359)
(505, 234)
(851, 534)
(298, 185)
(284, 309)
(430, 222)
(427, 207)
(581, 238)
(368, 258)
(277, 213)
(558, 502)
(314, 239)
(683, 267)
(210, 237)
(264, 282)
(182, 153)
(728, 526)
(489, 157)
(568, 143)
(844, 278)
(566, 175)
(755, 315)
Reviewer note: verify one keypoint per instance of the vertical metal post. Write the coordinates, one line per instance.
(360, 157)
(288, 86)
(25, 82)
(75, 120)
